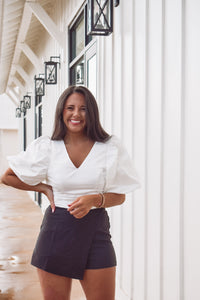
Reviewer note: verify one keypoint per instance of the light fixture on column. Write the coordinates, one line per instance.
(51, 70)
(39, 85)
(22, 106)
(99, 17)
(18, 112)
(27, 101)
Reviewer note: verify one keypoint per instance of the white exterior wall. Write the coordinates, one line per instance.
(9, 145)
(9, 138)
(148, 91)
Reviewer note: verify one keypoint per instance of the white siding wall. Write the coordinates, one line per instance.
(148, 91)
(9, 145)
(9, 139)
(149, 94)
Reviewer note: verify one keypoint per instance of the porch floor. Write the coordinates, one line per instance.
(20, 220)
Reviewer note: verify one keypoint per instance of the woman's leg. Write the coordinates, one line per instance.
(54, 286)
(99, 284)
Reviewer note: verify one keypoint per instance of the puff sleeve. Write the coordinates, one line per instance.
(121, 176)
(31, 165)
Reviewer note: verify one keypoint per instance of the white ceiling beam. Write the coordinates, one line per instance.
(19, 84)
(11, 97)
(11, 88)
(47, 22)
(23, 74)
(25, 23)
(31, 56)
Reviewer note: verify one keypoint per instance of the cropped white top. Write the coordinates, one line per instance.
(107, 168)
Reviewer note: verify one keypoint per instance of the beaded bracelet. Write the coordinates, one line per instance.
(102, 200)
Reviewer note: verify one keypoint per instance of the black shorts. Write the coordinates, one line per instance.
(67, 246)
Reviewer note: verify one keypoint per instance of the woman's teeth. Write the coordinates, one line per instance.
(75, 122)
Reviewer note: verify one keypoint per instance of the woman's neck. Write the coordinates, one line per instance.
(75, 138)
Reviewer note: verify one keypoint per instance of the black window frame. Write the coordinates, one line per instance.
(88, 41)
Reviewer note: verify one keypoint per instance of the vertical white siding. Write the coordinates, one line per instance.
(191, 193)
(171, 154)
(153, 146)
(155, 71)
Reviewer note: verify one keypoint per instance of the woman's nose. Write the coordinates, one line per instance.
(76, 112)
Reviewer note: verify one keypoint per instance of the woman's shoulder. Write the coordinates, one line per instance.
(110, 147)
(40, 143)
(42, 140)
(113, 141)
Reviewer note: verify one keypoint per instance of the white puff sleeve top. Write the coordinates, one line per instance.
(107, 168)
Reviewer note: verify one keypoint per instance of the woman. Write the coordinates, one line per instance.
(86, 170)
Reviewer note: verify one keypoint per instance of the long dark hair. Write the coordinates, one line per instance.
(94, 129)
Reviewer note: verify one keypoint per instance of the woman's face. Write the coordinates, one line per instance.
(74, 113)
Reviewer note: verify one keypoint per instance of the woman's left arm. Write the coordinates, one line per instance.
(82, 205)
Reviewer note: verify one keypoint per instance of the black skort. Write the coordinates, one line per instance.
(68, 246)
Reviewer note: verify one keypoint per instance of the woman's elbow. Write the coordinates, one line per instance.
(6, 176)
(4, 179)
(122, 198)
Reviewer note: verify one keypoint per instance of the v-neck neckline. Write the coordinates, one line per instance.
(85, 159)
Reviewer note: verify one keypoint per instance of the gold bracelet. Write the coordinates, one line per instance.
(102, 200)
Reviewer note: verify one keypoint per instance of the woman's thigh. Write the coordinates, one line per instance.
(99, 284)
(54, 286)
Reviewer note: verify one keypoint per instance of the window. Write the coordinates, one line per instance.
(82, 56)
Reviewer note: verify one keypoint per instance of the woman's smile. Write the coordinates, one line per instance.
(75, 122)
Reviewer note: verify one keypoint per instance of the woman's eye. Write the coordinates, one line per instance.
(69, 107)
(83, 108)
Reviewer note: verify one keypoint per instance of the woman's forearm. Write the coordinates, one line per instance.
(110, 199)
(9, 178)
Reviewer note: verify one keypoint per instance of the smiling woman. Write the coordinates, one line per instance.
(86, 170)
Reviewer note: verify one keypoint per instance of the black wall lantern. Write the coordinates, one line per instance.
(39, 85)
(51, 70)
(99, 17)
(27, 101)
(22, 106)
(18, 112)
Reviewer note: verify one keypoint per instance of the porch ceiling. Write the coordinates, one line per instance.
(18, 25)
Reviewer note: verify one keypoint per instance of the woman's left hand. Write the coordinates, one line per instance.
(81, 206)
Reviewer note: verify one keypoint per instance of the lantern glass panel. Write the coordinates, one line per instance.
(100, 20)
(101, 14)
(18, 112)
(22, 106)
(39, 86)
(51, 72)
(27, 100)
